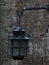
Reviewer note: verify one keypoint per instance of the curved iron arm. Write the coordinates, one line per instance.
(21, 10)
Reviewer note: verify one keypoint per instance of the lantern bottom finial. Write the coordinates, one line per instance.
(18, 57)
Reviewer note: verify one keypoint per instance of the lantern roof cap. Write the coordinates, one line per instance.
(19, 29)
(19, 38)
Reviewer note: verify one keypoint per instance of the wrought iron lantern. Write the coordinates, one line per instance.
(18, 44)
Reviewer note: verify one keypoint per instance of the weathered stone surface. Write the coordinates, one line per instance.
(35, 23)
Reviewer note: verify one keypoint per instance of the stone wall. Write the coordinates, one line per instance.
(36, 25)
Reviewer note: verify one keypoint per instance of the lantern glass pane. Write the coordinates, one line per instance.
(23, 51)
(16, 43)
(11, 43)
(23, 43)
(28, 51)
(9, 52)
(15, 52)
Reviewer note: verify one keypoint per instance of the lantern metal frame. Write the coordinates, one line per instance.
(19, 35)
